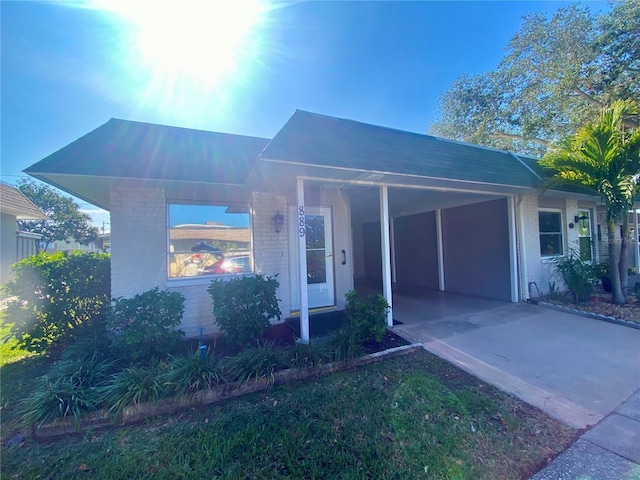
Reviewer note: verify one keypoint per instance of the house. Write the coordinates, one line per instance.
(325, 204)
(16, 245)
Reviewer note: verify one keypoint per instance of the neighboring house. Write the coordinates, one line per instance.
(189, 206)
(16, 245)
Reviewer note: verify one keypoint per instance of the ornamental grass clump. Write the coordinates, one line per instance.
(255, 363)
(188, 374)
(133, 386)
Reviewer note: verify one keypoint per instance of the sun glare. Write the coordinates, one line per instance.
(201, 42)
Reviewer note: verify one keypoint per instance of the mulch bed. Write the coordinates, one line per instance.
(600, 303)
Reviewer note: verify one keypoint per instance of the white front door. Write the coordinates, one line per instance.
(319, 246)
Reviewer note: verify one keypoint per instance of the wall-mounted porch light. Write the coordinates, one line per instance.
(278, 222)
(582, 218)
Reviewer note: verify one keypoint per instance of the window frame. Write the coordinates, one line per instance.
(562, 234)
(206, 278)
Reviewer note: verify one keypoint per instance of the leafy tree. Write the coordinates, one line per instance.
(604, 157)
(557, 74)
(65, 218)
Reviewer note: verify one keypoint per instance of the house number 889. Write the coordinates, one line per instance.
(301, 221)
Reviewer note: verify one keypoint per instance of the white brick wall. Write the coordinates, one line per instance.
(138, 240)
(270, 249)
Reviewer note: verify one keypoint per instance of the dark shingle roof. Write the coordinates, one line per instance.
(313, 139)
(125, 149)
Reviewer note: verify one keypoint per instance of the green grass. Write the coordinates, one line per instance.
(411, 417)
(8, 352)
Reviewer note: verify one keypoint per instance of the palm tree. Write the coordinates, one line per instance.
(604, 157)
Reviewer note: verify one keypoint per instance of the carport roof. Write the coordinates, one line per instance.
(319, 140)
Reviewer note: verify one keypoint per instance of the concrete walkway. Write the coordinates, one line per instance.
(577, 369)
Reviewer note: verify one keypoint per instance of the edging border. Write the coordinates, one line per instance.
(135, 413)
(597, 316)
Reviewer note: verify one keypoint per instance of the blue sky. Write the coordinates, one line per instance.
(68, 68)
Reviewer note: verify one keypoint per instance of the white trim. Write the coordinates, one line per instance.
(440, 245)
(379, 172)
(524, 287)
(563, 232)
(302, 264)
(386, 257)
(636, 235)
(373, 183)
(513, 250)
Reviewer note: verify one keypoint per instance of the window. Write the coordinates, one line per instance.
(584, 235)
(550, 224)
(209, 240)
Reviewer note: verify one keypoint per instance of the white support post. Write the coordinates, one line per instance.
(522, 245)
(394, 279)
(440, 250)
(636, 234)
(513, 250)
(386, 249)
(302, 262)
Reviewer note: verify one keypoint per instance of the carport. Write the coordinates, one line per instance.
(459, 242)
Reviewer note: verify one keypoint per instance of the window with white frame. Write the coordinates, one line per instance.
(550, 226)
(209, 240)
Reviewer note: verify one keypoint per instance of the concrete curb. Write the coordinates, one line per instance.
(597, 316)
(136, 413)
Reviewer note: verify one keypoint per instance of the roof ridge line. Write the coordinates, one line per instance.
(524, 164)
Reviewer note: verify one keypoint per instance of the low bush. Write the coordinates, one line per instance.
(57, 295)
(368, 315)
(243, 307)
(579, 276)
(145, 325)
(188, 374)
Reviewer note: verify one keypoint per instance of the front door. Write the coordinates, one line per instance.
(319, 246)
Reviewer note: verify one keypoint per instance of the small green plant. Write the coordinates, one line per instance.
(57, 295)
(579, 276)
(368, 315)
(132, 386)
(307, 354)
(254, 363)
(193, 372)
(243, 307)
(58, 399)
(145, 325)
(345, 343)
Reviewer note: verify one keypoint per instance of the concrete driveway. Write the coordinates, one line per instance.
(577, 369)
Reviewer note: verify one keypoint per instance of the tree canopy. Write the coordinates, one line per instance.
(558, 73)
(65, 222)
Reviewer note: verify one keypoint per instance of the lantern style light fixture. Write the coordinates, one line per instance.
(583, 219)
(278, 222)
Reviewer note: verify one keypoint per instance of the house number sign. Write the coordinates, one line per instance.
(301, 221)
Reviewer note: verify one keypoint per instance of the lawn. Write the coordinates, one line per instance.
(410, 417)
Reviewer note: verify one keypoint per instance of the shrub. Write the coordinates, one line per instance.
(58, 294)
(368, 315)
(144, 326)
(243, 307)
(578, 275)
(254, 363)
(188, 374)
